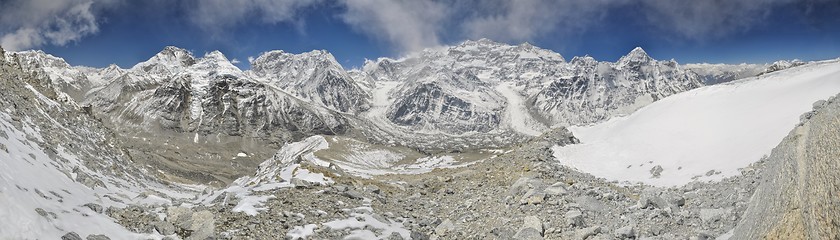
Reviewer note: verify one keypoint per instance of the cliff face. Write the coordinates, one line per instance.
(799, 197)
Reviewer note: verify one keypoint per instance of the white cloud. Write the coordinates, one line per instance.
(235, 61)
(408, 25)
(26, 24)
(216, 16)
(524, 20)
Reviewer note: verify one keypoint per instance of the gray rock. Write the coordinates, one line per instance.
(532, 228)
(556, 189)
(353, 194)
(200, 225)
(300, 183)
(415, 235)
(71, 236)
(656, 171)
(203, 226)
(444, 227)
(95, 207)
(713, 214)
(587, 232)
(165, 228)
(574, 218)
(340, 188)
(97, 237)
(625, 232)
(533, 196)
(528, 234)
(372, 189)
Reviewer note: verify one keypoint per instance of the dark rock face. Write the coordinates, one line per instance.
(596, 91)
(428, 104)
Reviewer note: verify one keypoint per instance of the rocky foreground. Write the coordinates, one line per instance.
(525, 194)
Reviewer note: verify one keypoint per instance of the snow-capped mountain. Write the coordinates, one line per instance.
(478, 86)
(313, 76)
(593, 91)
(68, 79)
(206, 96)
(721, 73)
(60, 167)
(475, 93)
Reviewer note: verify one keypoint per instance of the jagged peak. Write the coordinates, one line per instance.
(479, 42)
(637, 55)
(169, 56)
(577, 60)
(215, 55)
(42, 58)
(280, 58)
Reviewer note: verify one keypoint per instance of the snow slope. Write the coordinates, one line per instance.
(516, 113)
(718, 128)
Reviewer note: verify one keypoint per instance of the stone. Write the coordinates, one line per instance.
(164, 228)
(415, 235)
(444, 227)
(556, 189)
(656, 171)
(199, 225)
(528, 234)
(300, 183)
(97, 237)
(626, 232)
(71, 236)
(574, 218)
(340, 188)
(95, 207)
(353, 194)
(532, 228)
(372, 189)
(713, 214)
(587, 232)
(532, 197)
(203, 226)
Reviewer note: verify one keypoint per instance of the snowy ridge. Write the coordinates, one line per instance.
(705, 134)
(312, 76)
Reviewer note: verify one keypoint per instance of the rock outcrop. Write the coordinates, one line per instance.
(798, 196)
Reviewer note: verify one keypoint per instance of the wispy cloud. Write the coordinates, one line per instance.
(527, 19)
(408, 25)
(707, 19)
(26, 24)
(217, 16)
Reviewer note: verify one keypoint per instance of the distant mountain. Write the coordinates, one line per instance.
(477, 93)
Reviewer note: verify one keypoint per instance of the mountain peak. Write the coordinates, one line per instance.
(215, 55)
(637, 55)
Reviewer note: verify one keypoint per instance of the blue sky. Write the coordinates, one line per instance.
(100, 32)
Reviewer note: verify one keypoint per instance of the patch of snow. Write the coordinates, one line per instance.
(301, 232)
(251, 204)
(718, 128)
(362, 221)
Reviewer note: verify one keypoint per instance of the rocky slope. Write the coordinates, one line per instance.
(797, 196)
(60, 166)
